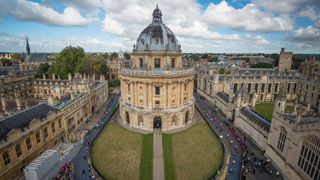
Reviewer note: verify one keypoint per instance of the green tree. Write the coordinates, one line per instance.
(93, 65)
(113, 56)
(44, 68)
(115, 83)
(126, 55)
(221, 71)
(69, 60)
(262, 65)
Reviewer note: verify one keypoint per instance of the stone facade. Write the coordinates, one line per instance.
(157, 92)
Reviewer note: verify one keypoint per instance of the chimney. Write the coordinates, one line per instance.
(50, 100)
(43, 76)
(282, 50)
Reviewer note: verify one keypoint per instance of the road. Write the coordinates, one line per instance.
(225, 134)
(81, 161)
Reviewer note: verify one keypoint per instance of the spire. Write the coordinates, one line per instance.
(27, 46)
(157, 15)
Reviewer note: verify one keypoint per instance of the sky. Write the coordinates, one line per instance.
(229, 26)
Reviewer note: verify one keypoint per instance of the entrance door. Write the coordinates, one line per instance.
(157, 123)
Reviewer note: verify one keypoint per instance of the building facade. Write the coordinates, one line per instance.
(290, 140)
(157, 92)
(39, 114)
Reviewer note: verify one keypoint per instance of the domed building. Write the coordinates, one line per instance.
(157, 92)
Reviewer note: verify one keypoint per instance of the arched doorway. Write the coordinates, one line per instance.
(157, 123)
(186, 118)
(127, 117)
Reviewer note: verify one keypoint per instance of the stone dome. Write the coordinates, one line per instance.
(157, 36)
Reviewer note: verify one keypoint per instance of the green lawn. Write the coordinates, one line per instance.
(192, 154)
(266, 109)
(146, 157)
(118, 153)
(168, 157)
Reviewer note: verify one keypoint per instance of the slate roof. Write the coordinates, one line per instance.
(36, 57)
(265, 124)
(22, 119)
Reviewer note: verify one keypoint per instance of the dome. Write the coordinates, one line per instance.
(157, 36)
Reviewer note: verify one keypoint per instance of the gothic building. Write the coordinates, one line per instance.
(292, 139)
(157, 92)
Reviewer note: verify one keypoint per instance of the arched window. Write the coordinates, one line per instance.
(141, 62)
(210, 88)
(204, 84)
(309, 157)
(173, 62)
(127, 117)
(174, 121)
(140, 121)
(156, 63)
(282, 139)
(186, 118)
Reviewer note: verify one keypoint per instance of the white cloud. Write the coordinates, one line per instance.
(308, 36)
(33, 11)
(112, 26)
(248, 18)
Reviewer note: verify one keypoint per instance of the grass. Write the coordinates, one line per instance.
(168, 157)
(192, 154)
(266, 109)
(117, 153)
(146, 157)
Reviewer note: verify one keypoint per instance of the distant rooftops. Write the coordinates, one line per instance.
(23, 119)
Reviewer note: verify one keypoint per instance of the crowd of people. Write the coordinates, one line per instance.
(65, 172)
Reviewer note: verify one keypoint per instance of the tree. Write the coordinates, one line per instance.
(221, 71)
(44, 68)
(69, 60)
(115, 83)
(93, 65)
(113, 56)
(126, 55)
(262, 65)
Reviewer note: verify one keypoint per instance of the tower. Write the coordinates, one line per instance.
(285, 61)
(157, 93)
(27, 46)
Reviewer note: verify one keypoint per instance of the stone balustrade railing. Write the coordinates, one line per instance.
(157, 72)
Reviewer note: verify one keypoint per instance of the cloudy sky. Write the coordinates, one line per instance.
(201, 26)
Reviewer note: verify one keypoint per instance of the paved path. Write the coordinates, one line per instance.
(158, 170)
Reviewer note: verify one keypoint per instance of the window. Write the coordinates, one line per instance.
(28, 143)
(141, 62)
(6, 158)
(60, 123)
(185, 87)
(157, 63)
(174, 121)
(38, 139)
(309, 157)
(282, 139)
(157, 102)
(173, 62)
(18, 150)
(53, 127)
(140, 121)
(45, 132)
(128, 87)
(157, 90)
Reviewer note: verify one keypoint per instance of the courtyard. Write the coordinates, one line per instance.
(266, 109)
